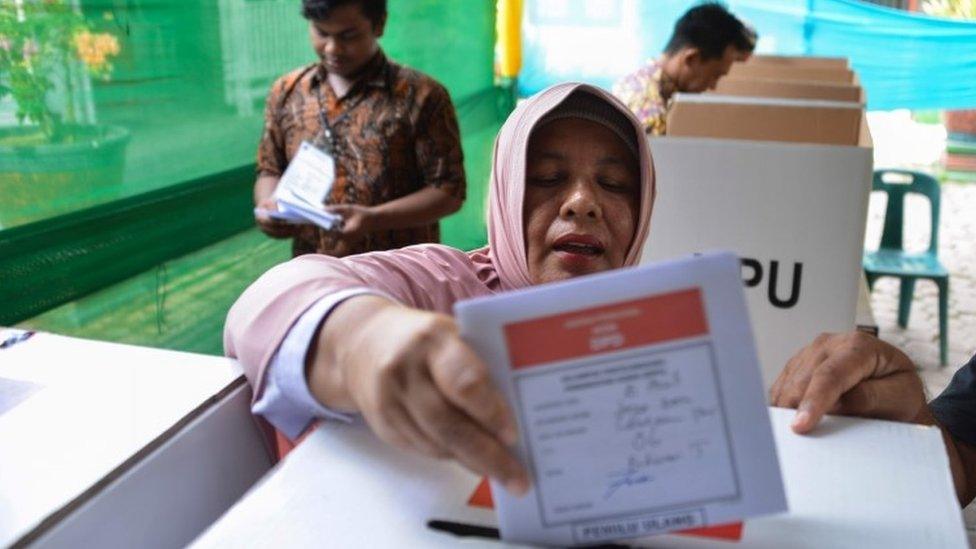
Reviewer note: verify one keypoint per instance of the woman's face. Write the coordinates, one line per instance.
(582, 195)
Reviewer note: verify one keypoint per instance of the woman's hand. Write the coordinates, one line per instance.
(417, 384)
(852, 374)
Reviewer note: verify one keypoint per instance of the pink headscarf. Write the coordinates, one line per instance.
(506, 230)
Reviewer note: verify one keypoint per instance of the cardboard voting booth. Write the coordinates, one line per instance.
(789, 89)
(106, 445)
(788, 77)
(841, 75)
(799, 61)
(766, 119)
(789, 199)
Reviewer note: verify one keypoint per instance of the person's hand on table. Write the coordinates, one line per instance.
(417, 385)
(269, 226)
(850, 374)
(858, 374)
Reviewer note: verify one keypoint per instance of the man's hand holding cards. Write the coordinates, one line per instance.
(303, 188)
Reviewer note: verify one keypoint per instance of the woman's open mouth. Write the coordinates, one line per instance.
(576, 251)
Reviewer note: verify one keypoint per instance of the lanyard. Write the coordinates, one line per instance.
(328, 141)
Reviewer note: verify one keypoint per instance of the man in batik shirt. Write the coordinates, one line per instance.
(392, 131)
(706, 40)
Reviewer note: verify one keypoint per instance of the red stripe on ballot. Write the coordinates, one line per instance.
(607, 328)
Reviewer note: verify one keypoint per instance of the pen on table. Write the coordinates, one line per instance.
(9, 338)
(463, 530)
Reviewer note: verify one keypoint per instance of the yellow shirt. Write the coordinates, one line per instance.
(643, 93)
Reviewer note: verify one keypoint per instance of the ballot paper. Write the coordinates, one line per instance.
(303, 188)
(309, 175)
(638, 398)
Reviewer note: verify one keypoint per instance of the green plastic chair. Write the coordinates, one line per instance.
(892, 260)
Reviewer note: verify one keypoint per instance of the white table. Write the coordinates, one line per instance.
(106, 445)
(857, 483)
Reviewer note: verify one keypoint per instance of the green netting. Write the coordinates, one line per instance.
(185, 93)
(180, 304)
(182, 103)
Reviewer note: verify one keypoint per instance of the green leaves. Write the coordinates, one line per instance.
(38, 39)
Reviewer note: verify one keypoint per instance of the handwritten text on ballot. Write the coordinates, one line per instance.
(639, 400)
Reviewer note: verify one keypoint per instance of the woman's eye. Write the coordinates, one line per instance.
(545, 180)
(616, 185)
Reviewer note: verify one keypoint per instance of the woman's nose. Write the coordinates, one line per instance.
(581, 200)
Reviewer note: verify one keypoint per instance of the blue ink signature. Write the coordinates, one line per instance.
(627, 478)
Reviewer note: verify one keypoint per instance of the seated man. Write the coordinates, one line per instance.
(705, 42)
(858, 374)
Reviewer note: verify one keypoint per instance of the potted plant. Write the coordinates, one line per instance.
(54, 158)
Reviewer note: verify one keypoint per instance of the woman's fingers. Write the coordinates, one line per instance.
(400, 420)
(463, 379)
(420, 387)
(455, 431)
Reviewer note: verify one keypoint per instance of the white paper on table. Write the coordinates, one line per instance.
(639, 401)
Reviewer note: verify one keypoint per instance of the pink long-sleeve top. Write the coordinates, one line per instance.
(431, 277)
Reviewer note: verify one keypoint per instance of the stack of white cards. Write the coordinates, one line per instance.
(303, 187)
(639, 402)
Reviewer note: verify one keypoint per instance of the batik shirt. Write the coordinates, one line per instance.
(395, 132)
(647, 93)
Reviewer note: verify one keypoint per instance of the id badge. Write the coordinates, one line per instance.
(309, 176)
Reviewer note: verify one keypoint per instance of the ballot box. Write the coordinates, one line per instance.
(785, 185)
(108, 445)
(854, 483)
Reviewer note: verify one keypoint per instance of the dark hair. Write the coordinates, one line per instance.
(710, 28)
(747, 42)
(319, 10)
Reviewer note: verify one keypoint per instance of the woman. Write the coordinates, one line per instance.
(572, 188)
